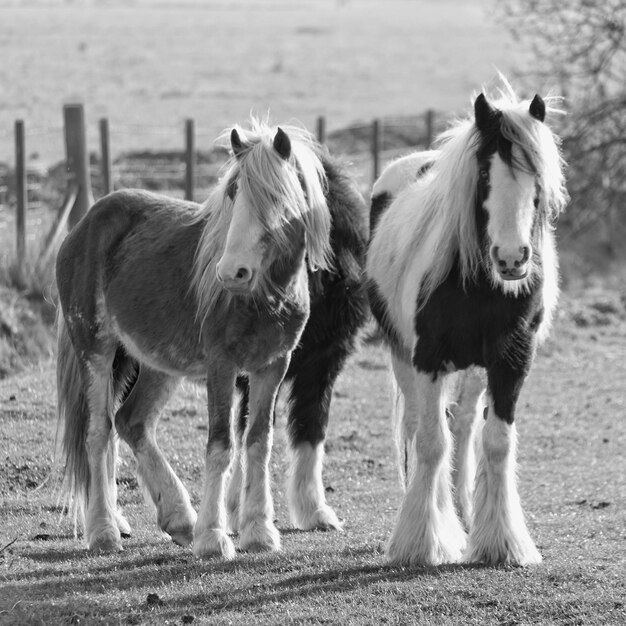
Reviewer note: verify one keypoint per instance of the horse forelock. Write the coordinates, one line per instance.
(536, 150)
(279, 192)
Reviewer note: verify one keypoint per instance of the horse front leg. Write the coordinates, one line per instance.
(498, 532)
(428, 531)
(257, 530)
(210, 536)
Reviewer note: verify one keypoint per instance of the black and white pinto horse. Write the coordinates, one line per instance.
(264, 281)
(462, 274)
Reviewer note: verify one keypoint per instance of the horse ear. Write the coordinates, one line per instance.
(538, 108)
(282, 143)
(236, 143)
(483, 112)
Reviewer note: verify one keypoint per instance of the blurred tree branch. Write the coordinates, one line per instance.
(579, 47)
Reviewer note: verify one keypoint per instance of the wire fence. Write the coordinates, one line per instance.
(189, 168)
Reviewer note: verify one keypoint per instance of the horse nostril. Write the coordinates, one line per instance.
(525, 250)
(243, 274)
(502, 264)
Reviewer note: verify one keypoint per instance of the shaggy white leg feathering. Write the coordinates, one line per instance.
(499, 533)
(210, 537)
(305, 490)
(428, 531)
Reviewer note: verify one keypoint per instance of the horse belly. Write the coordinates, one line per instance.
(174, 348)
(172, 361)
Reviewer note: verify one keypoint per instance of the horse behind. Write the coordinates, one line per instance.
(153, 289)
(462, 274)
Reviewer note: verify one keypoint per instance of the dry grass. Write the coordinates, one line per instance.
(572, 468)
(27, 310)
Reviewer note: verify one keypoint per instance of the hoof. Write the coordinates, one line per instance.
(518, 555)
(426, 548)
(181, 537)
(213, 543)
(122, 524)
(260, 537)
(323, 518)
(180, 526)
(106, 542)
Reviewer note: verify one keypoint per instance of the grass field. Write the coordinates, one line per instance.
(149, 65)
(571, 472)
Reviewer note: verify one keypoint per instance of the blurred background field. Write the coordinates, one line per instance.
(149, 65)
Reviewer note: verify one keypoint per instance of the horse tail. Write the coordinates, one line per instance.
(73, 421)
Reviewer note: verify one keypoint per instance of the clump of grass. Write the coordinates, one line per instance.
(27, 311)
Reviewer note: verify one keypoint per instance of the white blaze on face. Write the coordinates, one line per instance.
(243, 251)
(511, 210)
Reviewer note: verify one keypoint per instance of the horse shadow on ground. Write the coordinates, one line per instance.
(269, 582)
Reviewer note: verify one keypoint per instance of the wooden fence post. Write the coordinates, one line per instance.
(105, 156)
(77, 160)
(21, 192)
(429, 119)
(321, 129)
(190, 159)
(376, 143)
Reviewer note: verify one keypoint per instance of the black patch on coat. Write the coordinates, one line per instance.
(380, 202)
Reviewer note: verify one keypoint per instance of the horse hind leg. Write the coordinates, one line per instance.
(101, 519)
(136, 422)
(404, 415)
(466, 414)
(235, 483)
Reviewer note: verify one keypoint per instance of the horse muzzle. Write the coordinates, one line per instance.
(516, 273)
(240, 281)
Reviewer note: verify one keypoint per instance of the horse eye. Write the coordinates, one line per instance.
(483, 174)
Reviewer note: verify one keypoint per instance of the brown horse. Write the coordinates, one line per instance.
(153, 289)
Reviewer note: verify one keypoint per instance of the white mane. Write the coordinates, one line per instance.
(277, 193)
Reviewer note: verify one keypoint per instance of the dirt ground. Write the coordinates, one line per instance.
(572, 473)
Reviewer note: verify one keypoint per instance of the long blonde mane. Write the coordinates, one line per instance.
(446, 195)
(277, 193)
